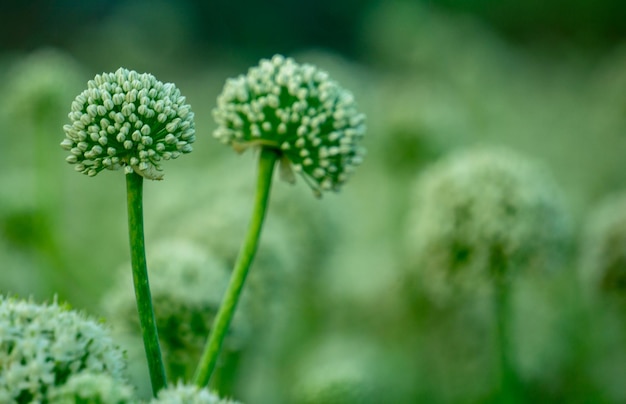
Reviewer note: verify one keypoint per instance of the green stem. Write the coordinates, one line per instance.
(134, 189)
(509, 384)
(267, 160)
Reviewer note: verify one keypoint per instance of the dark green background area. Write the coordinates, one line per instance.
(259, 27)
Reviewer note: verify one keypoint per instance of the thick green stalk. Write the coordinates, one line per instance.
(134, 190)
(509, 391)
(267, 161)
(502, 306)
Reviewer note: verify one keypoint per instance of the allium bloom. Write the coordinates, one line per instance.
(483, 213)
(43, 345)
(603, 252)
(298, 110)
(131, 120)
(189, 394)
(92, 388)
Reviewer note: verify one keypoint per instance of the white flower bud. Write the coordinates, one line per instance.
(113, 110)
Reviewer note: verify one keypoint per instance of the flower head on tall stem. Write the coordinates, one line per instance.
(300, 112)
(131, 120)
(294, 114)
(479, 218)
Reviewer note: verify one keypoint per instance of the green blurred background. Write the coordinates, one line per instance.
(547, 79)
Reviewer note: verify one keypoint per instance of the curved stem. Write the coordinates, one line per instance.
(134, 190)
(267, 160)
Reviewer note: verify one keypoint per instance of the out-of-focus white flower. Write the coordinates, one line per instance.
(189, 394)
(43, 345)
(483, 213)
(95, 388)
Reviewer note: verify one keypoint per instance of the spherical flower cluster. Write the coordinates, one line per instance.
(479, 214)
(603, 252)
(92, 388)
(299, 111)
(187, 284)
(189, 394)
(43, 345)
(131, 120)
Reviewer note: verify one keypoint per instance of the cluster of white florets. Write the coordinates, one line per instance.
(88, 387)
(298, 110)
(189, 394)
(43, 345)
(131, 120)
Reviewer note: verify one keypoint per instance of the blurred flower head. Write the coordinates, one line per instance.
(92, 388)
(131, 120)
(43, 345)
(603, 247)
(41, 85)
(299, 111)
(483, 213)
(189, 394)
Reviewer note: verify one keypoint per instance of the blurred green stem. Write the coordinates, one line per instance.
(509, 392)
(45, 216)
(267, 161)
(134, 190)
